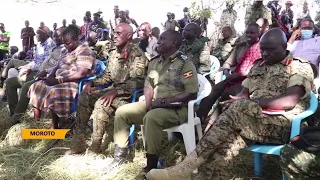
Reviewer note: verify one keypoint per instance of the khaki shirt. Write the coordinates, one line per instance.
(171, 25)
(172, 76)
(223, 49)
(270, 81)
(55, 55)
(126, 71)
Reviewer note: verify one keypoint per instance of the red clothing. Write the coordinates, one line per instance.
(85, 30)
(246, 63)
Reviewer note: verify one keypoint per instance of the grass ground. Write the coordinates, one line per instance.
(26, 159)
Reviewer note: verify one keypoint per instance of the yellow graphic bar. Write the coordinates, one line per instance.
(44, 133)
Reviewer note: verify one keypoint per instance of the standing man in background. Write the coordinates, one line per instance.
(4, 41)
(27, 36)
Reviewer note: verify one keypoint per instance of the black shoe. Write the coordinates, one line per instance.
(120, 157)
(152, 162)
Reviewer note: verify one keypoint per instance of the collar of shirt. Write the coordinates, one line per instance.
(286, 61)
(170, 58)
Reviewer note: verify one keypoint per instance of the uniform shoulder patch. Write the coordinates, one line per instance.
(188, 74)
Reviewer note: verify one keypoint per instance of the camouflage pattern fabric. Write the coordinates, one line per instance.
(228, 18)
(253, 14)
(298, 164)
(101, 49)
(199, 53)
(171, 25)
(243, 123)
(223, 49)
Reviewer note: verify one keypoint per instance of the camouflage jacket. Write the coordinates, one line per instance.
(253, 14)
(222, 49)
(101, 49)
(199, 53)
(270, 81)
(126, 71)
(228, 18)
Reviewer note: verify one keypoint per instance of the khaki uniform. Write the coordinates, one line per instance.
(171, 25)
(199, 53)
(244, 124)
(253, 14)
(126, 72)
(299, 164)
(168, 78)
(101, 49)
(223, 49)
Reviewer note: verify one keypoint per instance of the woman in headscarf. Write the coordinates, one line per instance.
(56, 92)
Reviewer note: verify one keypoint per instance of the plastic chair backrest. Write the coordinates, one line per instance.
(100, 68)
(296, 122)
(215, 64)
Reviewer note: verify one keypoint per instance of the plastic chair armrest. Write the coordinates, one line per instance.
(191, 114)
(134, 95)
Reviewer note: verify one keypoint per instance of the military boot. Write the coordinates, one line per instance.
(152, 162)
(120, 157)
(181, 171)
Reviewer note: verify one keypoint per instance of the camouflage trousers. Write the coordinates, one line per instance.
(91, 106)
(298, 164)
(241, 125)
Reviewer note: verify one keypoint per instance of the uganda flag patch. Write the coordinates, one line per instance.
(188, 74)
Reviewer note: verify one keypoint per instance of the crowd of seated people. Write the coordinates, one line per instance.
(263, 70)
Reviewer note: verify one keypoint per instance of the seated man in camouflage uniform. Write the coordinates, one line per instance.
(196, 49)
(276, 82)
(256, 11)
(126, 70)
(171, 79)
(224, 46)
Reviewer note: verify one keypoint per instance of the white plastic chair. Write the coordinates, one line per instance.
(215, 66)
(187, 129)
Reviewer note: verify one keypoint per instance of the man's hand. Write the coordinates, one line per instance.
(51, 81)
(295, 35)
(108, 98)
(41, 75)
(87, 88)
(24, 71)
(233, 77)
(232, 99)
(226, 72)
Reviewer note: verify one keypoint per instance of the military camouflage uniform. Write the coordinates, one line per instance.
(126, 71)
(223, 49)
(168, 78)
(171, 25)
(298, 164)
(199, 53)
(228, 18)
(244, 124)
(253, 14)
(101, 49)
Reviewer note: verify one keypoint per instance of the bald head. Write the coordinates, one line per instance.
(273, 45)
(144, 31)
(191, 31)
(122, 34)
(92, 40)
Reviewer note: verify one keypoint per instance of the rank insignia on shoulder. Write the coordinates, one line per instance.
(188, 74)
(139, 65)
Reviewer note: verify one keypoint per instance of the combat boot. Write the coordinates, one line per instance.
(95, 148)
(181, 171)
(152, 162)
(78, 145)
(120, 157)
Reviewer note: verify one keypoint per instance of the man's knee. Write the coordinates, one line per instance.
(121, 113)
(151, 118)
(83, 99)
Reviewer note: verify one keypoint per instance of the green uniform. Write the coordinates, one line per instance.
(199, 53)
(298, 164)
(244, 124)
(101, 49)
(223, 49)
(126, 72)
(168, 78)
(253, 14)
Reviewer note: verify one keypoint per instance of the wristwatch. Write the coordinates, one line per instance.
(255, 100)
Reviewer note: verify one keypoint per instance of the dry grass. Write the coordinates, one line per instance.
(21, 159)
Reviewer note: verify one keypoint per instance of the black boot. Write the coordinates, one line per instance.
(120, 157)
(152, 162)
